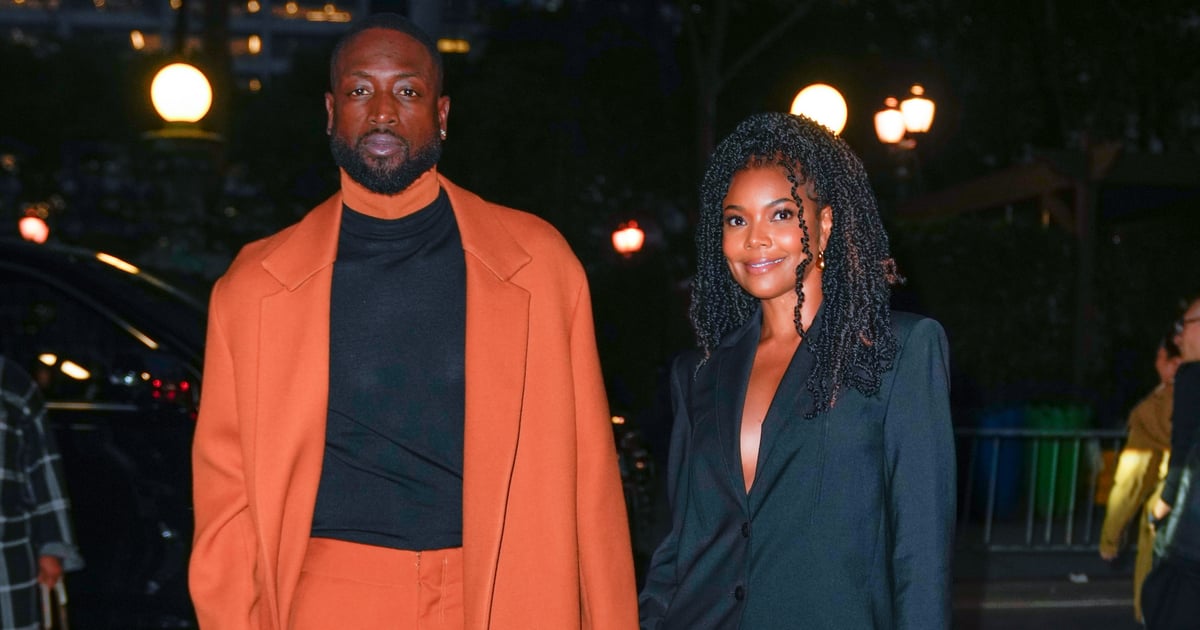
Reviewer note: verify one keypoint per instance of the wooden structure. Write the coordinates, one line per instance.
(1065, 186)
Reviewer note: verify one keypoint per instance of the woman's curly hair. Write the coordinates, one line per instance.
(856, 345)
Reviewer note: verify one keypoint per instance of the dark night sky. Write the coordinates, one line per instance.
(588, 117)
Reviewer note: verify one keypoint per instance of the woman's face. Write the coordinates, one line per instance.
(761, 235)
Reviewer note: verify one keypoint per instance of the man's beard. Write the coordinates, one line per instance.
(374, 175)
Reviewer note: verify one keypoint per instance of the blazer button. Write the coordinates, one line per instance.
(739, 593)
(746, 530)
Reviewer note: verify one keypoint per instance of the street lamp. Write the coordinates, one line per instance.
(186, 161)
(917, 110)
(181, 93)
(628, 239)
(822, 103)
(897, 120)
(181, 96)
(895, 126)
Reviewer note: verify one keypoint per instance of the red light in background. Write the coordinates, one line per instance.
(33, 228)
(628, 238)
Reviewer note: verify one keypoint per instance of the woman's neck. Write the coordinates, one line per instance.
(419, 194)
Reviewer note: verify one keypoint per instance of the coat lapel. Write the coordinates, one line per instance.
(791, 403)
(733, 375)
(293, 386)
(497, 341)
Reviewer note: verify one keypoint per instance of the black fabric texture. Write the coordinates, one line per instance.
(392, 473)
(1185, 424)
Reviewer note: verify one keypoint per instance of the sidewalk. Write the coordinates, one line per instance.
(1059, 604)
(1044, 593)
(1041, 590)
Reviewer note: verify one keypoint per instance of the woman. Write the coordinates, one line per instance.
(812, 458)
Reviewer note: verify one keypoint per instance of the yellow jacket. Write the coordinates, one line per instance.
(1138, 480)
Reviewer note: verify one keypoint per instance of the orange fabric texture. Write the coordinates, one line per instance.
(348, 585)
(545, 537)
(419, 194)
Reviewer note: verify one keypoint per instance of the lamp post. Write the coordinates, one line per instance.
(185, 164)
(822, 103)
(897, 126)
(898, 120)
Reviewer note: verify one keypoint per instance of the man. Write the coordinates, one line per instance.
(403, 421)
(1171, 592)
(35, 519)
(1141, 468)
(1187, 338)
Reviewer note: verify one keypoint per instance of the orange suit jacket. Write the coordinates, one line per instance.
(545, 536)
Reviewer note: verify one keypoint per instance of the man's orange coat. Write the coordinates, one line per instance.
(545, 536)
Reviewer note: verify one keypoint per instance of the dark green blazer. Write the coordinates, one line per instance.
(849, 523)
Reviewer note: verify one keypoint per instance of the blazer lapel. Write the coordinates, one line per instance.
(293, 393)
(791, 403)
(497, 342)
(733, 375)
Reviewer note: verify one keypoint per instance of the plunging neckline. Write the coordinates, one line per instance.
(740, 434)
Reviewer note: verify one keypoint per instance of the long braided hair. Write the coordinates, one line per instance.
(856, 345)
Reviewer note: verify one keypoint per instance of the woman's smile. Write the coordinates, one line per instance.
(764, 265)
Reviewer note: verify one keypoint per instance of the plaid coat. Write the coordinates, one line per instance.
(34, 511)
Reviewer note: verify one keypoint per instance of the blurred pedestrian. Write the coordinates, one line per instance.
(35, 514)
(1141, 468)
(1171, 593)
(403, 421)
(812, 469)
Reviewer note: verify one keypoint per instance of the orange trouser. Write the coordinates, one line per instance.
(350, 585)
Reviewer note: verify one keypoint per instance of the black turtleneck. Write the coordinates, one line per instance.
(392, 474)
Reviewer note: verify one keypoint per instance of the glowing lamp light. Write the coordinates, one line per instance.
(74, 370)
(33, 229)
(917, 110)
(822, 103)
(889, 123)
(628, 238)
(327, 13)
(109, 259)
(447, 45)
(181, 93)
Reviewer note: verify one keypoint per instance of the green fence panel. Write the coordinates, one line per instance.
(1055, 457)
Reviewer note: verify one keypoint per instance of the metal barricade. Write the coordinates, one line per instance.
(1044, 470)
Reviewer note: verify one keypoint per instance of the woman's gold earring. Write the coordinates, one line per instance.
(821, 259)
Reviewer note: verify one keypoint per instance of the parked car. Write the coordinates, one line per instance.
(118, 354)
